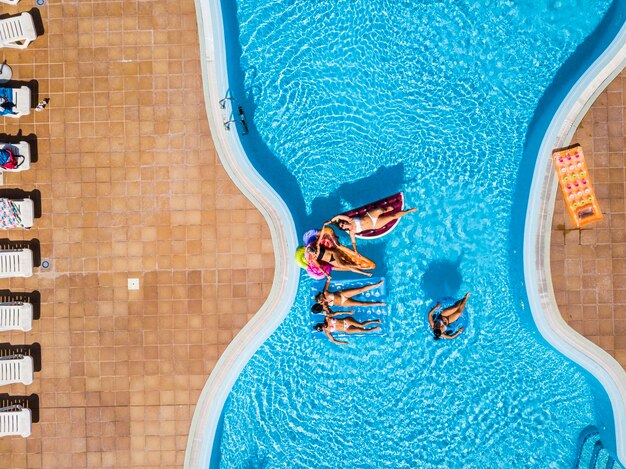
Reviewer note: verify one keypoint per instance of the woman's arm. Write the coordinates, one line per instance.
(452, 336)
(359, 271)
(337, 218)
(353, 238)
(332, 314)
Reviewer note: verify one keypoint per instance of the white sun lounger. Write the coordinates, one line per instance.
(21, 149)
(16, 369)
(10, 2)
(16, 263)
(17, 31)
(15, 421)
(16, 316)
(21, 99)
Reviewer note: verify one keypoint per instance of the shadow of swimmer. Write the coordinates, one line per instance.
(442, 278)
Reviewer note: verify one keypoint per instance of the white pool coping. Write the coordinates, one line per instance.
(286, 277)
(266, 320)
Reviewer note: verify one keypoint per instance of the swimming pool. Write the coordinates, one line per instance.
(441, 113)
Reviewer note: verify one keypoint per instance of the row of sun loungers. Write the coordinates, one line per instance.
(17, 31)
(17, 213)
(16, 420)
(17, 368)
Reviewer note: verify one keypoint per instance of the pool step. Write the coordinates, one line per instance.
(591, 453)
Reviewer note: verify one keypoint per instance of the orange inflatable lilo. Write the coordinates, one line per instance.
(575, 183)
(326, 250)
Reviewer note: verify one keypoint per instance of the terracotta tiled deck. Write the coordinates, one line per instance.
(130, 187)
(589, 267)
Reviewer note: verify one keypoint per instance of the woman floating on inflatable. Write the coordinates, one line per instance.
(342, 298)
(372, 220)
(347, 325)
(441, 323)
(324, 253)
(338, 256)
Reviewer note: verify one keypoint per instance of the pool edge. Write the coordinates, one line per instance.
(283, 233)
(538, 229)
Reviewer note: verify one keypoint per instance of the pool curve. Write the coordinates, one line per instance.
(559, 131)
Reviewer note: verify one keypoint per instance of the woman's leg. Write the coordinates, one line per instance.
(351, 302)
(454, 312)
(354, 330)
(384, 219)
(351, 322)
(350, 292)
(378, 211)
(351, 269)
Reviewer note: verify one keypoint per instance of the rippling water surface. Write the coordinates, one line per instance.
(351, 100)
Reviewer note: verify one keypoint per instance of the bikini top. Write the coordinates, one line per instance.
(320, 256)
(330, 298)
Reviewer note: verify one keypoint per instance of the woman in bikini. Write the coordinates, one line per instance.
(327, 250)
(374, 219)
(440, 323)
(325, 299)
(347, 325)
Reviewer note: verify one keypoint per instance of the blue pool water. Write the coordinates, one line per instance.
(349, 101)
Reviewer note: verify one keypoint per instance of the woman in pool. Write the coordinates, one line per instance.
(440, 323)
(325, 299)
(347, 325)
(327, 250)
(374, 219)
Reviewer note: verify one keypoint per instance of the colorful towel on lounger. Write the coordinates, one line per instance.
(6, 94)
(9, 215)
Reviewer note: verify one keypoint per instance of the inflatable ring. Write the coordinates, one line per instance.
(309, 237)
(300, 258)
(316, 273)
(446, 302)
